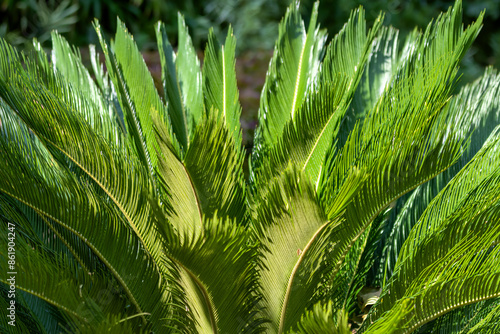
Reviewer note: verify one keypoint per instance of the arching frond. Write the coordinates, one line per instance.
(208, 181)
(56, 280)
(399, 161)
(463, 219)
(37, 179)
(466, 319)
(474, 112)
(477, 112)
(466, 270)
(220, 277)
(56, 121)
(324, 319)
(488, 322)
(288, 219)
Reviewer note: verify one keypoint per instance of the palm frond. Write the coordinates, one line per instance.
(381, 147)
(75, 293)
(185, 211)
(464, 270)
(488, 323)
(208, 181)
(466, 319)
(35, 178)
(452, 197)
(220, 277)
(476, 113)
(324, 319)
(137, 95)
(381, 66)
(56, 121)
(171, 87)
(287, 220)
(190, 76)
(72, 208)
(102, 116)
(460, 223)
(219, 83)
(307, 136)
(293, 68)
(26, 321)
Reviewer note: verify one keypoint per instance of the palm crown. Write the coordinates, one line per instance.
(372, 202)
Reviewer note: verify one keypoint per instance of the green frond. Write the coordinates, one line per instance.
(171, 87)
(25, 322)
(307, 137)
(219, 83)
(46, 232)
(448, 25)
(288, 219)
(73, 207)
(452, 197)
(182, 82)
(381, 66)
(209, 180)
(137, 95)
(466, 319)
(455, 267)
(58, 123)
(220, 277)
(32, 176)
(59, 282)
(355, 270)
(185, 211)
(324, 319)
(190, 76)
(405, 140)
(36, 226)
(215, 166)
(487, 323)
(348, 51)
(293, 68)
(476, 112)
(102, 116)
(469, 200)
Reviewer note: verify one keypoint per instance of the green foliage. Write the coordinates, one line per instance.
(372, 203)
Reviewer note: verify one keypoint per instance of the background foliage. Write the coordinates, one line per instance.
(255, 24)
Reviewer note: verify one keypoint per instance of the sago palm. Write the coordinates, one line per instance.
(372, 202)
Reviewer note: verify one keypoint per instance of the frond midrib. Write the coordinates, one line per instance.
(48, 300)
(292, 276)
(90, 245)
(451, 308)
(201, 287)
(370, 219)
